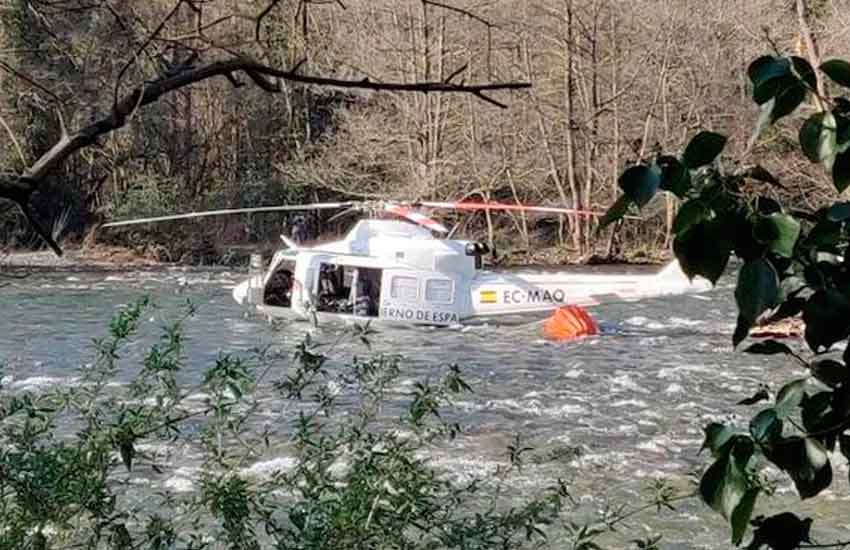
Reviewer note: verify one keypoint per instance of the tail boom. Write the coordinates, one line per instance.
(511, 293)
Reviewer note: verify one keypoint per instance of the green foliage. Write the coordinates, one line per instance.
(756, 292)
(792, 262)
(838, 70)
(703, 149)
(359, 477)
(640, 183)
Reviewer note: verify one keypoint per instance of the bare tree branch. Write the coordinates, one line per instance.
(28, 79)
(262, 16)
(15, 141)
(460, 11)
(142, 48)
(38, 228)
(811, 50)
(19, 187)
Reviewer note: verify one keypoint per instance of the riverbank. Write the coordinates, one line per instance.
(102, 257)
(90, 259)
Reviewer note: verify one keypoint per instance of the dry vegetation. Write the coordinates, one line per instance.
(612, 82)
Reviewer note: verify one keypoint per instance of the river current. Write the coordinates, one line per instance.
(613, 412)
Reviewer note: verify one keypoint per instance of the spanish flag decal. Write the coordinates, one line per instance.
(487, 296)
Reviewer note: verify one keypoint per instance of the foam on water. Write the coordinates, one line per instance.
(631, 403)
(268, 468)
(626, 382)
(42, 382)
(182, 480)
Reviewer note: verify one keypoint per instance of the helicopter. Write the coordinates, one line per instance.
(408, 270)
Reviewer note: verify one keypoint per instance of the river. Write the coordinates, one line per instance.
(616, 411)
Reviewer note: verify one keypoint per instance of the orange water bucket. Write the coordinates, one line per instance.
(569, 323)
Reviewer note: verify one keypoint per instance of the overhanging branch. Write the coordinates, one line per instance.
(19, 187)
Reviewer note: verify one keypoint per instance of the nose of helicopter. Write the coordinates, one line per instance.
(240, 292)
(249, 291)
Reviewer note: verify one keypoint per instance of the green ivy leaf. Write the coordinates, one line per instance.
(704, 250)
(615, 212)
(703, 149)
(756, 291)
(789, 398)
(765, 67)
(690, 213)
(817, 413)
(825, 234)
(818, 138)
(818, 461)
(640, 183)
(838, 212)
(842, 130)
(838, 71)
(675, 177)
(779, 231)
(768, 347)
(827, 319)
(791, 307)
(767, 73)
(789, 95)
(758, 397)
(841, 171)
(780, 532)
(717, 436)
(740, 229)
(740, 519)
(766, 426)
(830, 372)
(805, 71)
(767, 206)
(806, 461)
(726, 486)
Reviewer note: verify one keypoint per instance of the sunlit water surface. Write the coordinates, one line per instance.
(609, 413)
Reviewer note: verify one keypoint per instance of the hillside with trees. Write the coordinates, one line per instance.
(612, 82)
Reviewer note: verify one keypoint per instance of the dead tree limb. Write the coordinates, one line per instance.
(812, 52)
(18, 187)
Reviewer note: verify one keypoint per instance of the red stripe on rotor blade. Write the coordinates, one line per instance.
(416, 217)
(513, 207)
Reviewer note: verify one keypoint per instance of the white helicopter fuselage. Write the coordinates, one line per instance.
(393, 271)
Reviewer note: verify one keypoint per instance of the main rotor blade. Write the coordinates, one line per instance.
(415, 217)
(513, 207)
(205, 213)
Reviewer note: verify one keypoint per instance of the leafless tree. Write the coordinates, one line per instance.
(613, 82)
(189, 57)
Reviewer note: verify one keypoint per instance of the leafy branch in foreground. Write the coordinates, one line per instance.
(328, 455)
(793, 263)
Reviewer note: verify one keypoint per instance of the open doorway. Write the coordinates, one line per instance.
(278, 290)
(347, 289)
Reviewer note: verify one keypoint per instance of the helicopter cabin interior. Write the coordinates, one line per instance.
(278, 289)
(348, 289)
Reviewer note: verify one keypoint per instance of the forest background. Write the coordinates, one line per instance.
(613, 82)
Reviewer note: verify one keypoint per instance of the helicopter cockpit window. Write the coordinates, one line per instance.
(349, 290)
(278, 290)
